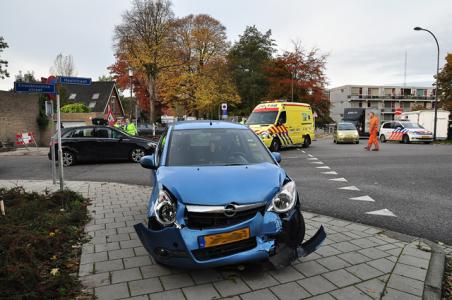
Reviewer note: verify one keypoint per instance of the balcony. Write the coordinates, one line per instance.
(388, 97)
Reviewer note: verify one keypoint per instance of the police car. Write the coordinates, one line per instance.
(405, 132)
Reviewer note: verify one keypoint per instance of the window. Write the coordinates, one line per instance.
(95, 96)
(216, 147)
(160, 147)
(305, 116)
(103, 133)
(368, 104)
(262, 117)
(282, 118)
(82, 132)
(116, 134)
(92, 104)
(72, 96)
(387, 125)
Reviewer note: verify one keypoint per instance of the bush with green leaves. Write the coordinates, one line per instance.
(75, 108)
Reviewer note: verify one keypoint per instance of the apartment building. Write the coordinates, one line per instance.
(388, 99)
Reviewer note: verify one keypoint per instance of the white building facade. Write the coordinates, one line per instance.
(388, 99)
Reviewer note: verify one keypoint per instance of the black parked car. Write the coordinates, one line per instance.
(95, 143)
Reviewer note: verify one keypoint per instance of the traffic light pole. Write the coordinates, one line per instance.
(60, 150)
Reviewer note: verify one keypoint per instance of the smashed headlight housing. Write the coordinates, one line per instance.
(285, 199)
(165, 209)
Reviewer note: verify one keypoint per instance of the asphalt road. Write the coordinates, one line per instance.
(413, 182)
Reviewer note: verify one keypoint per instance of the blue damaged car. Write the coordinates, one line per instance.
(220, 197)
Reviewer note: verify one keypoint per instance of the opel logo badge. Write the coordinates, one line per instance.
(229, 210)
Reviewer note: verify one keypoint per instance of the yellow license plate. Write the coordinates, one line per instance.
(224, 238)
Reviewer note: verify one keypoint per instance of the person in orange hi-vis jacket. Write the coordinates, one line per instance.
(373, 130)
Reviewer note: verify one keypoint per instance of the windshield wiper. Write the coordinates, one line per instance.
(235, 164)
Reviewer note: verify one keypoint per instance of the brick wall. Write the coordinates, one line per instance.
(18, 112)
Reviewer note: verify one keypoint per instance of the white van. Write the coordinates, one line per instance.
(426, 118)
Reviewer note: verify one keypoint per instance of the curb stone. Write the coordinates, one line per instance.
(435, 273)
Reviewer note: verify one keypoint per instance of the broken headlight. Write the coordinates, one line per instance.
(285, 199)
(165, 209)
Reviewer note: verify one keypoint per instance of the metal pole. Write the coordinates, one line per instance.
(437, 73)
(52, 154)
(292, 85)
(60, 150)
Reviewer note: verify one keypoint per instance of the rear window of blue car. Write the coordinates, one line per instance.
(216, 147)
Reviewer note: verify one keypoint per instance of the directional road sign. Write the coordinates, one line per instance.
(74, 80)
(25, 87)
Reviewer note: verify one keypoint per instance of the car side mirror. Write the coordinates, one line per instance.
(148, 162)
(277, 156)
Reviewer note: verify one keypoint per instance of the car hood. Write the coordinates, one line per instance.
(221, 185)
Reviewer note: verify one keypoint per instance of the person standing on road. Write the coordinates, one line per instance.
(373, 130)
(130, 128)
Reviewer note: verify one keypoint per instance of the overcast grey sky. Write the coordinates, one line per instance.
(366, 39)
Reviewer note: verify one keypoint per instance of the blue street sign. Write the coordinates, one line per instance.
(25, 87)
(74, 80)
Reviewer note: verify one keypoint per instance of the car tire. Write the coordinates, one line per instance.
(136, 154)
(382, 138)
(275, 145)
(357, 142)
(406, 139)
(68, 158)
(427, 143)
(334, 141)
(307, 141)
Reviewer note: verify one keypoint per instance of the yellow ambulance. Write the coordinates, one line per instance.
(282, 124)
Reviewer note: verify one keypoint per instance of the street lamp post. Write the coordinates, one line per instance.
(131, 90)
(437, 73)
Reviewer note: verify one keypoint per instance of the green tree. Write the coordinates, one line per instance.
(247, 59)
(445, 84)
(75, 108)
(3, 63)
(105, 78)
(144, 40)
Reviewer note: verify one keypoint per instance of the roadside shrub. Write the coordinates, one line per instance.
(40, 242)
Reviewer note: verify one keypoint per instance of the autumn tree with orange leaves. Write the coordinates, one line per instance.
(299, 76)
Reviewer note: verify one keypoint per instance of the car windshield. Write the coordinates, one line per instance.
(411, 125)
(346, 126)
(262, 117)
(216, 147)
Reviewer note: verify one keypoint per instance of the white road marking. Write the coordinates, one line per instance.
(330, 173)
(290, 157)
(363, 198)
(323, 167)
(312, 158)
(317, 162)
(382, 212)
(341, 179)
(350, 188)
(310, 155)
(303, 151)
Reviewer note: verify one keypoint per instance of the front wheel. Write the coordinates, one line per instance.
(68, 158)
(382, 138)
(406, 139)
(136, 154)
(307, 141)
(275, 145)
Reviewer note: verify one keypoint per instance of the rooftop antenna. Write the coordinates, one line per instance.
(404, 73)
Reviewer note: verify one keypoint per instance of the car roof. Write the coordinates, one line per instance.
(205, 124)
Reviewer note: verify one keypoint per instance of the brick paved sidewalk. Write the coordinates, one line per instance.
(355, 262)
